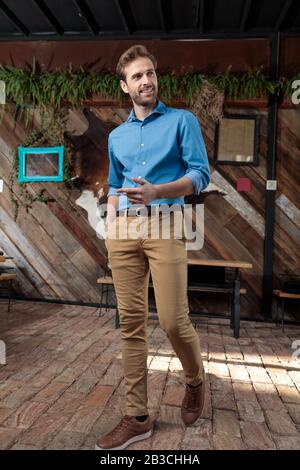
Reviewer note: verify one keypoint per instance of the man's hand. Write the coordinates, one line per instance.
(141, 195)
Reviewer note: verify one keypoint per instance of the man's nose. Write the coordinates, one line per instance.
(145, 80)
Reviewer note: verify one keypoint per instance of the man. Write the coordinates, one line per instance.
(156, 158)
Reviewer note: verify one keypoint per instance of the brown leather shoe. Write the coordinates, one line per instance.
(193, 403)
(128, 430)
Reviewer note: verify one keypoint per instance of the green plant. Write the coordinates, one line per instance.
(227, 82)
(251, 84)
(180, 86)
(34, 87)
(50, 133)
(254, 84)
(29, 85)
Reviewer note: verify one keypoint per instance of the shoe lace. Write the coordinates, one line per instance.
(191, 397)
(123, 424)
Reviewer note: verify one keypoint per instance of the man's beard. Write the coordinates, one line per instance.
(145, 101)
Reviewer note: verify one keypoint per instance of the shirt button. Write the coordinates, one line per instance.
(142, 145)
(143, 163)
(139, 176)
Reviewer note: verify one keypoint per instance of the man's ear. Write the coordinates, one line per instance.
(124, 87)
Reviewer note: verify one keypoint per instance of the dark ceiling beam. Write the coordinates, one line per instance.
(245, 15)
(283, 14)
(85, 12)
(124, 12)
(13, 19)
(43, 7)
(161, 15)
(199, 20)
(115, 35)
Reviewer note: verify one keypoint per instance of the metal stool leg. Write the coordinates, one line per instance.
(106, 298)
(101, 300)
(277, 311)
(104, 292)
(282, 314)
(231, 303)
(117, 319)
(237, 308)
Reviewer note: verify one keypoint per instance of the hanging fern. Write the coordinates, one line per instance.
(254, 84)
(30, 86)
(227, 82)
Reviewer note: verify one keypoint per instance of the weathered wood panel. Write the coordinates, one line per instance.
(234, 223)
(287, 214)
(65, 244)
(70, 263)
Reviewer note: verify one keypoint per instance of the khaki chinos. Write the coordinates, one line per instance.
(132, 259)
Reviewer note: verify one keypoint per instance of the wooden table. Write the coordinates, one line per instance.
(225, 263)
(233, 288)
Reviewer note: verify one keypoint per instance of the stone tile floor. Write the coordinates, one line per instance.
(62, 386)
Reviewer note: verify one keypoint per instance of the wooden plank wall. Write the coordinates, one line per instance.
(234, 223)
(287, 212)
(58, 254)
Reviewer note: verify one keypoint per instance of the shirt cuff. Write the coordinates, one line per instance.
(196, 179)
(113, 192)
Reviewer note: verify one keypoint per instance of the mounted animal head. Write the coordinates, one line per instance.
(89, 158)
(90, 163)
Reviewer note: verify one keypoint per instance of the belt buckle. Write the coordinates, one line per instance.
(138, 212)
(134, 212)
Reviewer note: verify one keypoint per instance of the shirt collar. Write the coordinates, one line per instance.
(160, 108)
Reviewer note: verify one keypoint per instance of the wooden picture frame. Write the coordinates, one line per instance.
(237, 139)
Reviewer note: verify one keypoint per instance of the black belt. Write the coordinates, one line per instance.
(141, 211)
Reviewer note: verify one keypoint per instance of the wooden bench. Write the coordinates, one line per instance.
(7, 277)
(107, 281)
(281, 296)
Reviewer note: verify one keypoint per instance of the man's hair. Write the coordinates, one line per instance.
(133, 53)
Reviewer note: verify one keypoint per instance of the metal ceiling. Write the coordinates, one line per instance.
(130, 19)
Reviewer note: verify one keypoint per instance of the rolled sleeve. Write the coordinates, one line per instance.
(115, 172)
(112, 191)
(193, 152)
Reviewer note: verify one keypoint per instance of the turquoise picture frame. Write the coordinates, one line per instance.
(24, 151)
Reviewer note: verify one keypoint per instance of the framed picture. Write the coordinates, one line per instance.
(237, 137)
(41, 164)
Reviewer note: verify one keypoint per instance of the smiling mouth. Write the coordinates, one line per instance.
(147, 92)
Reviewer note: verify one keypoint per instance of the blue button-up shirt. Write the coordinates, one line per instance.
(165, 146)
